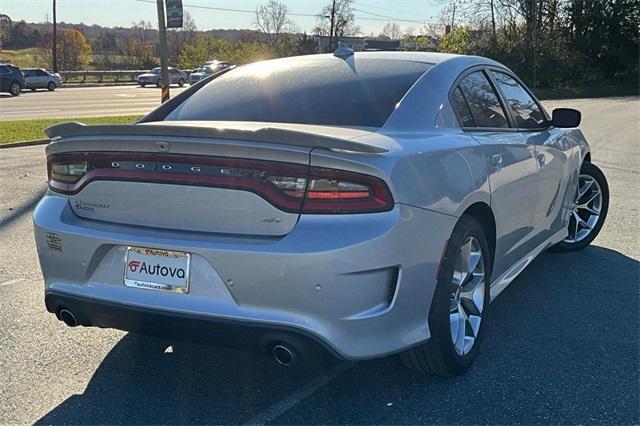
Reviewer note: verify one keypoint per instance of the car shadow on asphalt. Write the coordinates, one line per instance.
(25, 208)
(561, 348)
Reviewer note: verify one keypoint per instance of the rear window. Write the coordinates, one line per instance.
(312, 90)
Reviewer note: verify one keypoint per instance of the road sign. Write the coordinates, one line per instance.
(174, 13)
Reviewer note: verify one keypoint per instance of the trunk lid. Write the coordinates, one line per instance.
(233, 178)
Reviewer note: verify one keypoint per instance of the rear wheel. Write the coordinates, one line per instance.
(589, 209)
(15, 88)
(51, 86)
(459, 305)
(181, 82)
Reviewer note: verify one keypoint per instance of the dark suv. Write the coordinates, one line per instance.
(11, 79)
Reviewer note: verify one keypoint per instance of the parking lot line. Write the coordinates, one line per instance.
(276, 410)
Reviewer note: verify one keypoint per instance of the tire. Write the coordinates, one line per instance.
(440, 355)
(15, 89)
(51, 86)
(578, 238)
(181, 82)
(142, 84)
(158, 83)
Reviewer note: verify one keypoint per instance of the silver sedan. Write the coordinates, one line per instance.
(354, 204)
(38, 78)
(154, 77)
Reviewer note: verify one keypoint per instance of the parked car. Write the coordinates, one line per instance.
(353, 204)
(11, 79)
(209, 68)
(38, 78)
(155, 77)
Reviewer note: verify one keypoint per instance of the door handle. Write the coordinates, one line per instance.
(541, 159)
(496, 161)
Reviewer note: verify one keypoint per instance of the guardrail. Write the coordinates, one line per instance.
(99, 76)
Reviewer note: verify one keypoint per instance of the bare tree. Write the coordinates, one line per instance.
(391, 30)
(272, 19)
(177, 38)
(340, 13)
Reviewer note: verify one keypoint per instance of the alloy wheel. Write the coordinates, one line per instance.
(467, 296)
(586, 210)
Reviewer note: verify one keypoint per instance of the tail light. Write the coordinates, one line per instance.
(289, 187)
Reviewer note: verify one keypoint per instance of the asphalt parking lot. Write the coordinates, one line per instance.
(68, 102)
(562, 345)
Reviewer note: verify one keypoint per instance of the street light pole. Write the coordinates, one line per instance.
(54, 46)
(162, 32)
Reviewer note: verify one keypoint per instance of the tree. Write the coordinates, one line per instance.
(306, 45)
(177, 38)
(74, 53)
(205, 48)
(391, 30)
(137, 55)
(421, 43)
(343, 21)
(5, 28)
(272, 19)
(457, 41)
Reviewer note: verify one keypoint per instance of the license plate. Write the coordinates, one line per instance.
(156, 269)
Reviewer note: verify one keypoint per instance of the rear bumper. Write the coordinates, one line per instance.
(252, 336)
(361, 284)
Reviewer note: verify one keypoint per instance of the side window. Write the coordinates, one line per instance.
(482, 101)
(3, 69)
(462, 109)
(41, 73)
(526, 111)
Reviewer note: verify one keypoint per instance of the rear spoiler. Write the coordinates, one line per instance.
(264, 134)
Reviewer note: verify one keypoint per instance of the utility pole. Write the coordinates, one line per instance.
(331, 29)
(54, 47)
(162, 32)
(453, 15)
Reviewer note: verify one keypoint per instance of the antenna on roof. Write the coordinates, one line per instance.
(343, 51)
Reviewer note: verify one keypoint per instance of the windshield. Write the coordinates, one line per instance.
(316, 89)
(156, 70)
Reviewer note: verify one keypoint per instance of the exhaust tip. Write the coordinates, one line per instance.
(67, 317)
(283, 355)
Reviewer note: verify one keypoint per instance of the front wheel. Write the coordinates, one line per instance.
(181, 82)
(459, 307)
(588, 211)
(51, 86)
(15, 88)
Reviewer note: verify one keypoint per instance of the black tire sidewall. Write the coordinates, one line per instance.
(439, 315)
(51, 86)
(591, 170)
(12, 90)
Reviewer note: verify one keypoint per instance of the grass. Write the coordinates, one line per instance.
(25, 130)
(22, 57)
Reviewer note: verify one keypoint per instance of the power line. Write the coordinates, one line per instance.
(306, 15)
(388, 18)
(387, 10)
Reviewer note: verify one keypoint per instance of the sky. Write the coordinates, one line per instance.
(371, 15)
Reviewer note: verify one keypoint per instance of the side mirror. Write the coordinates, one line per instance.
(566, 117)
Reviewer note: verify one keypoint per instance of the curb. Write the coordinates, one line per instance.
(25, 143)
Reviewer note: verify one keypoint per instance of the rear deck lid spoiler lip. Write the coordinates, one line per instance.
(265, 134)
